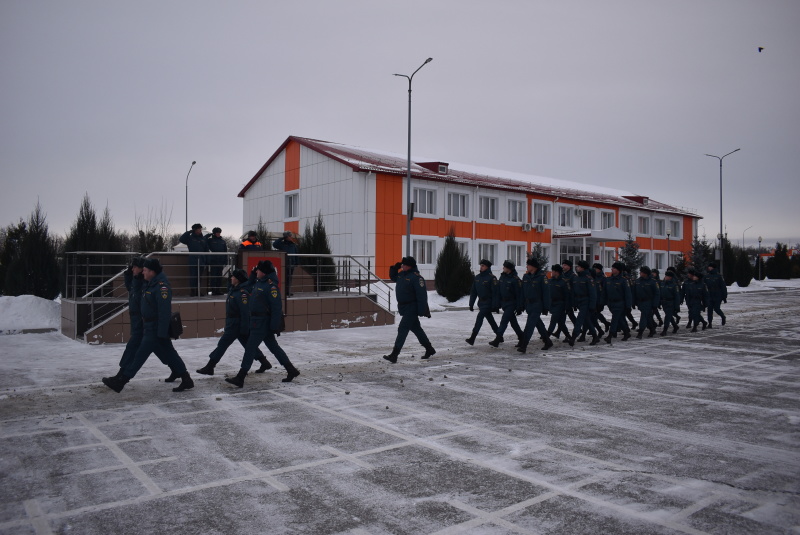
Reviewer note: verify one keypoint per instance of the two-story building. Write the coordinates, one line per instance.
(499, 215)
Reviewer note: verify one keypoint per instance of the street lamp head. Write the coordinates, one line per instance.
(193, 162)
(431, 59)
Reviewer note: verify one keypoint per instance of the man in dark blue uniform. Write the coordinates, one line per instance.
(670, 300)
(510, 302)
(568, 274)
(216, 244)
(695, 294)
(536, 300)
(560, 301)
(196, 243)
(602, 301)
(412, 302)
(584, 299)
(717, 293)
(486, 291)
(656, 276)
(645, 297)
(156, 311)
(288, 245)
(134, 280)
(266, 317)
(618, 297)
(237, 324)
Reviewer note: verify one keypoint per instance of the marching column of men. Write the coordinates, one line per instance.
(254, 313)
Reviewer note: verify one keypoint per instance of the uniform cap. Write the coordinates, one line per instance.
(152, 264)
(265, 266)
(583, 263)
(485, 262)
(216, 229)
(240, 274)
(138, 261)
(646, 270)
(597, 265)
(557, 267)
(712, 265)
(567, 262)
(196, 226)
(619, 266)
(509, 264)
(533, 262)
(409, 261)
(251, 233)
(669, 273)
(287, 234)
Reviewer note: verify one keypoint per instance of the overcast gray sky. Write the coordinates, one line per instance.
(118, 98)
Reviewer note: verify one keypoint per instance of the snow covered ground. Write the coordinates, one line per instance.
(691, 433)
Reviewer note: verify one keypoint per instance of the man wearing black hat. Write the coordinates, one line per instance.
(584, 297)
(568, 274)
(670, 299)
(216, 244)
(536, 298)
(629, 311)
(486, 291)
(237, 324)
(251, 242)
(655, 275)
(134, 280)
(266, 317)
(717, 293)
(602, 301)
(695, 294)
(288, 245)
(510, 302)
(618, 297)
(645, 296)
(560, 301)
(196, 243)
(412, 302)
(156, 312)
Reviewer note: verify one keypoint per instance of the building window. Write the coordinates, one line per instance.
(424, 251)
(457, 204)
(424, 201)
(675, 258)
(292, 206)
(646, 259)
(644, 226)
(463, 247)
(516, 211)
(516, 253)
(659, 227)
(541, 213)
(607, 220)
(488, 251)
(609, 257)
(660, 261)
(565, 216)
(626, 223)
(487, 208)
(587, 219)
(675, 228)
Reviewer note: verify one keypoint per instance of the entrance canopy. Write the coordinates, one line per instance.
(607, 234)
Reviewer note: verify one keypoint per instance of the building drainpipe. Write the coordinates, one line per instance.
(558, 241)
(474, 229)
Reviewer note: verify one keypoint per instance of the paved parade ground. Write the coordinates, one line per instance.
(691, 433)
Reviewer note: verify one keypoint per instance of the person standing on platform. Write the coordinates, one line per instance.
(412, 302)
(216, 244)
(196, 243)
(288, 245)
(486, 291)
(251, 243)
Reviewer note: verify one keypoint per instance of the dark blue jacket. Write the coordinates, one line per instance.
(216, 245)
(670, 295)
(288, 247)
(694, 293)
(717, 290)
(559, 293)
(157, 304)
(134, 287)
(600, 287)
(237, 308)
(645, 293)
(583, 291)
(486, 290)
(196, 243)
(618, 293)
(510, 291)
(265, 304)
(536, 292)
(411, 292)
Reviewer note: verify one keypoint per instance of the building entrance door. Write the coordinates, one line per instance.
(575, 253)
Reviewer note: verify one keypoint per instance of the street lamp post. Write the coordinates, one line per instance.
(721, 236)
(669, 259)
(410, 204)
(745, 230)
(758, 258)
(187, 195)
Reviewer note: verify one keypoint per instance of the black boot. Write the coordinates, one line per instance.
(521, 347)
(265, 365)
(547, 344)
(186, 382)
(497, 341)
(582, 337)
(675, 329)
(652, 332)
(429, 352)
(119, 374)
(607, 339)
(116, 383)
(392, 357)
(208, 369)
(595, 340)
(639, 335)
(704, 325)
(237, 381)
(664, 331)
(291, 373)
(626, 336)
(723, 319)
(570, 340)
(172, 377)
(689, 324)
(471, 339)
(694, 329)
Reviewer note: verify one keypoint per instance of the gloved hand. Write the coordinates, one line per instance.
(398, 265)
(545, 312)
(518, 312)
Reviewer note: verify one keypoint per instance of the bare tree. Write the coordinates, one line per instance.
(153, 230)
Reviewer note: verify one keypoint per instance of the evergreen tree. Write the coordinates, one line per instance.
(779, 266)
(630, 256)
(729, 258)
(82, 236)
(34, 269)
(743, 270)
(322, 269)
(680, 267)
(700, 255)
(794, 264)
(263, 234)
(760, 269)
(538, 254)
(453, 276)
(12, 244)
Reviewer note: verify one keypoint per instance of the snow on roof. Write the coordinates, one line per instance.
(380, 161)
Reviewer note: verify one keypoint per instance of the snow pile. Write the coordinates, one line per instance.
(28, 312)
(765, 285)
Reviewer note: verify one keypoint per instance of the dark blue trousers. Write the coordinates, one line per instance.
(163, 349)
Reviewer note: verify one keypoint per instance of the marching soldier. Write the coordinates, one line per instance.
(645, 297)
(134, 280)
(670, 300)
(412, 302)
(560, 301)
(536, 296)
(695, 294)
(717, 293)
(618, 296)
(510, 302)
(584, 299)
(655, 275)
(486, 291)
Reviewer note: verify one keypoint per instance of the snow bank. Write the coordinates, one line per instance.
(765, 285)
(28, 312)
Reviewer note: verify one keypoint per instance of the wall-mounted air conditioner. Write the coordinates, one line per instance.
(578, 211)
(526, 227)
(540, 228)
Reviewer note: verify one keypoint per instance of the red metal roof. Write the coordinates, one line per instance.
(366, 160)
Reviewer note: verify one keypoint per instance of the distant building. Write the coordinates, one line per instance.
(498, 215)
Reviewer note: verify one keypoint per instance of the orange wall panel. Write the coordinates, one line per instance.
(389, 222)
(292, 167)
